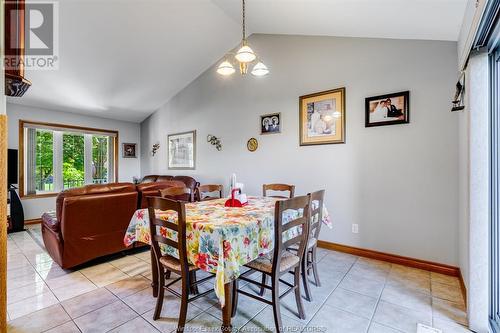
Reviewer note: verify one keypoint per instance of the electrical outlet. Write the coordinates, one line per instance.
(355, 228)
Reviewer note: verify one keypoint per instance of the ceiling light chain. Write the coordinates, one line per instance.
(244, 56)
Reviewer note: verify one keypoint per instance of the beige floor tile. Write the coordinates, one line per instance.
(369, 272)
(398, 270)
(105, 275)
(381, 265)
(76, 289)
(399, 317)
(203, 322)
(170, 314)
(88, 302)
(21, 263)
(131, 265)
(129, 286)
(362, 285)
(105, 318)
(141, 302)
(446, 310)
(355, 303)
(53, 272)
(445, 279)
(67, 280)
(408, 298)
(138, 324)
(146, 255)
(378, 328)
(422, 285)
(447, 292)
(31, 304)
(38, 257)
(39, 321)
(450, 327)
(337, 321)
(30, 290)
(21, 281)
(264, 322)
(69, 327)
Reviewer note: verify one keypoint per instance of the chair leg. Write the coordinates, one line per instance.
(315, 268)
(235, 298)
(264, 282)
(305, 279)
(167, 274)
(276, 304)
(192, 279)
(161, 293)
(298, 296)
(184, 305)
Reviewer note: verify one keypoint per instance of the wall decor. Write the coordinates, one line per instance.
(215, 141)
(322, 117)
(270, 123)
(155, 148)
(458, 99)
(182, 150)
(129, 150)
(252, 144)
(389, 109)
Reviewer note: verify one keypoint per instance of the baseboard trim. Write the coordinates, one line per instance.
(32, 221)
(393, 258)
(462, 286)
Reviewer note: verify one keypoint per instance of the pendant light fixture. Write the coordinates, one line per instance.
(245, 57)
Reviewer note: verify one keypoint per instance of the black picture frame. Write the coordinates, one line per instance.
(129, 150)
(274, 126)
(403, 119)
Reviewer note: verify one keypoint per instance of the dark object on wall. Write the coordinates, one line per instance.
(252, 144)
(270, 123)
(16, 211)
(129, 150)
(12, 167)
(15, 82)
(458, 99)
(215, 141)
(156, 146)
(389, 109)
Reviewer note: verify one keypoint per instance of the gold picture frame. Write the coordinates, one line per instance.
(322, 117)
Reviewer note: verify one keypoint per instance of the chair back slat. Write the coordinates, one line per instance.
(163, 204)
(280, 188)
(205, 190)
(300, 223)
(176, 192)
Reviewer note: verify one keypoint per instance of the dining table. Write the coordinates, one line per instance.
(220, 240)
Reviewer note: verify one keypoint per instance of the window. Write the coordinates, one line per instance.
(57, 157)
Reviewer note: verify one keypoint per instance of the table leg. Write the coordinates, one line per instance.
(154, 274)
(226, 310)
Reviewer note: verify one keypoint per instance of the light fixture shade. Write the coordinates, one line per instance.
(245, 54)
(260, 69)
(225, 68)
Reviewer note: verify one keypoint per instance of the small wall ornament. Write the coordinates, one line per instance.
(252, 144)
(215, 141)
(156, 146)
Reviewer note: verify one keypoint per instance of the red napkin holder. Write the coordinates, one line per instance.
(233, 202)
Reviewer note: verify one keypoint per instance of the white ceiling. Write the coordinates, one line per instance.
(123, 59)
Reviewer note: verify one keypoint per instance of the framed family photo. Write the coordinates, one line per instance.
(270, 123)
(129, 150)
(181, 150)
(322, 117)
(390, 109)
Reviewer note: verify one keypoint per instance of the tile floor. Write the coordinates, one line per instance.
(357, 295)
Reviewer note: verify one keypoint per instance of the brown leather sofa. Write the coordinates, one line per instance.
(91, 221)
(190, 183)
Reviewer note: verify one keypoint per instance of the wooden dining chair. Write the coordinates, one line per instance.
(279, 188)
(280, 261)
(178, 193)
(165, 263)
(205, 192)
(309, 261)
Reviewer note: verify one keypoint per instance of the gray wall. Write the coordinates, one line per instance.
(399, 183)
(128, 132)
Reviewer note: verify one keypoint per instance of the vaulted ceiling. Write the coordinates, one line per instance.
(123, 59)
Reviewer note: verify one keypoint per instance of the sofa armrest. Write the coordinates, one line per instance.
(49, 219)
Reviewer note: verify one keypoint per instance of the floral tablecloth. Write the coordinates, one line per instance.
(220, 239)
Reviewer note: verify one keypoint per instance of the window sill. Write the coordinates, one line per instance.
(38, 196)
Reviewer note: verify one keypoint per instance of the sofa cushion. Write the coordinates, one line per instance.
(164, 178)
(153, 190)
(189, 181)
(149, 179)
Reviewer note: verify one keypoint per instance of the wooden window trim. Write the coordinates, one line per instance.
(22, 124)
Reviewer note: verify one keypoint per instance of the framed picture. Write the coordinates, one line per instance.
(390, 109)
(270, 123)
(129, 150)
(322, 117)
(182, 150)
